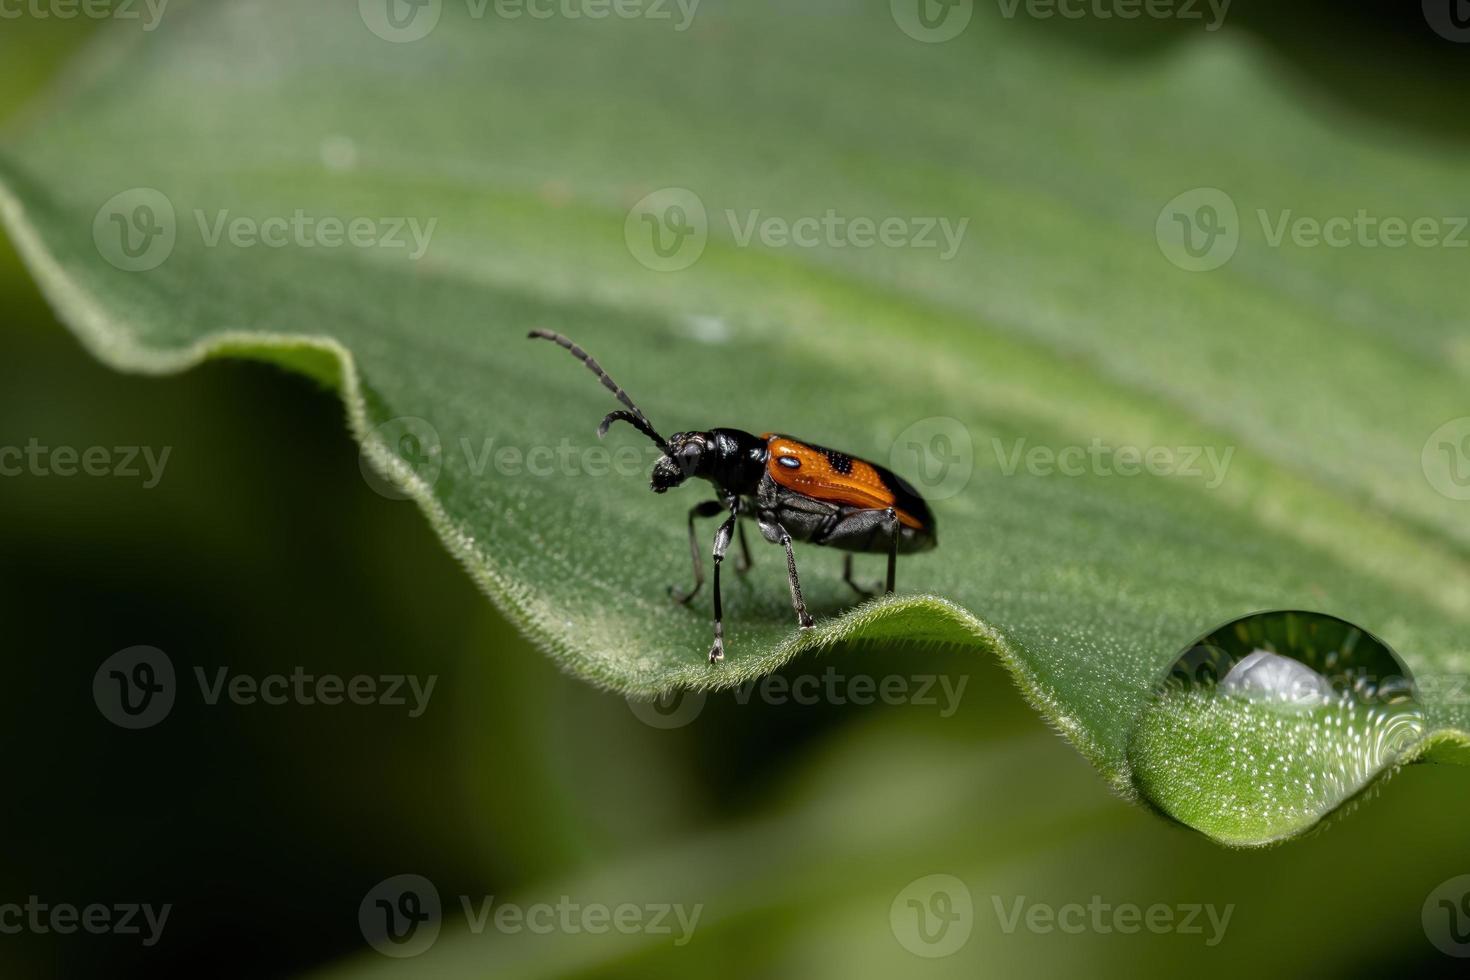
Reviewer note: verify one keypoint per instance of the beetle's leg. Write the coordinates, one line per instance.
(803, 618)
(742, 563)
(892, 547)
(707, 509)
(869, 523)
(722, 541)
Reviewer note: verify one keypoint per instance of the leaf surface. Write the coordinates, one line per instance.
(494, 171)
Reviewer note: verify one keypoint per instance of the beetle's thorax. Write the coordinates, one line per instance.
(731, 459)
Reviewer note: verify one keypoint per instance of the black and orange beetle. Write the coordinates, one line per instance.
(792, 489)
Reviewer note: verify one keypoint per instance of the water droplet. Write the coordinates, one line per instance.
(1265, 725)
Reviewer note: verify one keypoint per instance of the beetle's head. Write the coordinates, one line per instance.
(688, 455)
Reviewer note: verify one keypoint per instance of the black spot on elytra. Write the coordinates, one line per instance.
(840, 462)
(790, 462)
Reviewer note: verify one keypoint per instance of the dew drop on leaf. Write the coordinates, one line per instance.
(1267, 724)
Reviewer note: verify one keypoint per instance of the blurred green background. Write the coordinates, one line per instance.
(795, 827)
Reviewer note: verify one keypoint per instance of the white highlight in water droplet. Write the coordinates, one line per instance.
(1272, 678)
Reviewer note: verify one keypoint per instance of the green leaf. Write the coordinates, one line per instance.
(1299, 392)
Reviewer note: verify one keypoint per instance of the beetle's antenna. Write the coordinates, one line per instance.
(634, 417)
(636, 421)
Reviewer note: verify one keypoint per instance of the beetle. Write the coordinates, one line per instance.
(793, 489)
